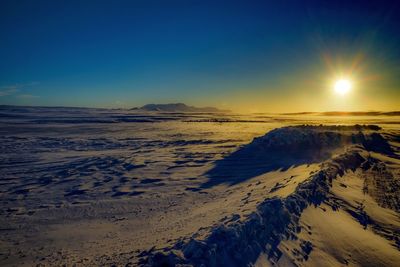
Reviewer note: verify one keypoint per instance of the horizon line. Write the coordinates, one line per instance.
(222, 111)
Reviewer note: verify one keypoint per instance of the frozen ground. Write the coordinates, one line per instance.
(102, 187)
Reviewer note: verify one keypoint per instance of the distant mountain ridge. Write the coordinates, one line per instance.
(177, 107)
(347, 113)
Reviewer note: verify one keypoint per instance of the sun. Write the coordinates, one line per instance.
(342, 86)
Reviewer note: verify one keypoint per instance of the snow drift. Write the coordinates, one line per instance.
(241, 242)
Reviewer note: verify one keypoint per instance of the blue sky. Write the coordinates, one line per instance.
(245, 55)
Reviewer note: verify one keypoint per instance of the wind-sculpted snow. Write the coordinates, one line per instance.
(381, 184)
(94, 187)
(314, 138)
(240, 242)
(286, 147)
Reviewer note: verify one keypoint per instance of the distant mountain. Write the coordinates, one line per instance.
(348, 113)
(177, 107)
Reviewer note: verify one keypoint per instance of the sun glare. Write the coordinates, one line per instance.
(342, 86)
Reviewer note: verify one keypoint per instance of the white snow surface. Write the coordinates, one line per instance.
(100, 187)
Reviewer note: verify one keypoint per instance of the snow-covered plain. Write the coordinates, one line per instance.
(101, 187)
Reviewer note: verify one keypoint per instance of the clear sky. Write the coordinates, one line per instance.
(273, 56)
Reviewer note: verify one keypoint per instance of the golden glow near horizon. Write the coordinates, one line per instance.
(342, 86)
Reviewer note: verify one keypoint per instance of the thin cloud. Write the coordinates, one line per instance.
(15, 88)
(8, 90)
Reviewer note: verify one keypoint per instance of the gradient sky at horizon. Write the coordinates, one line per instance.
(253, 56)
